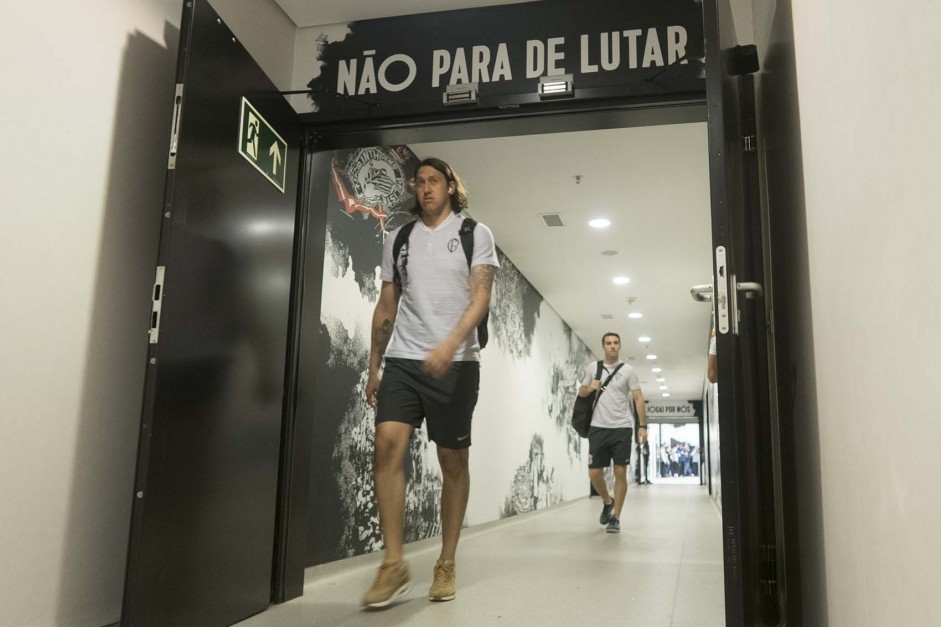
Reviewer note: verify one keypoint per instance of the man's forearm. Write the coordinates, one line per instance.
(383, 322)
(481, 283)
(469, 320)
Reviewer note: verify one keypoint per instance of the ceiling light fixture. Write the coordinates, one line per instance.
(661, 379)
(556, 86)
(636, 315)
(461, 94)
(656, 369)
(621, 280)
(599, 223)
(651, 357)
(665, 395)
(664, 387)
(644, 338)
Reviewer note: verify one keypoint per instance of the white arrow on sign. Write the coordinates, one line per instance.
(275, 154)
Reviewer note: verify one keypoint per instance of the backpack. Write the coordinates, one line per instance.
(466, 234)
(585, 406)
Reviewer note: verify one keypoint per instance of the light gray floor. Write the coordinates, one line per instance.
(550, 568)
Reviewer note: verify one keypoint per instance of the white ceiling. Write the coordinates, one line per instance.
(651, 182)
(323, 12)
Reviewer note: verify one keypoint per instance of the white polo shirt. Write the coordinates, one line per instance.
(435, 286)
(613, 410)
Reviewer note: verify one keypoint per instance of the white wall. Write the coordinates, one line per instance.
(87, 87)
(266, 32)
(868, 90)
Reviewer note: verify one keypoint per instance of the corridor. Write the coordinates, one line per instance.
(550, 568)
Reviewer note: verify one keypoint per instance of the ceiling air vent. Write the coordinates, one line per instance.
(552, 219)
(607, 317)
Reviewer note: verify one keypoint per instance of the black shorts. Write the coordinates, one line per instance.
(607, 444)
(408, 394)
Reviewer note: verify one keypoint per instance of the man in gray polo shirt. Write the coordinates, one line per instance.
(425, 326)
(611, 435)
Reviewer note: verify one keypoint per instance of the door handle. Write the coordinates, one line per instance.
(701, 293)
(751, 289)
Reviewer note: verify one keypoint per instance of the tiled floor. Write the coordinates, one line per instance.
(550, 568)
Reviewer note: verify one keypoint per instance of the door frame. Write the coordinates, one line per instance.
(299, 407)
(560, 116)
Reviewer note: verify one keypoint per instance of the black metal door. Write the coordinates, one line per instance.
(750, 469)
(205, 499)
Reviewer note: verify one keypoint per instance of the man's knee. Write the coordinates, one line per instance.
(454, 462)
(620, 471)
(391, 442)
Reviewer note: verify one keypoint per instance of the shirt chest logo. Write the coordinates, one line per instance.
(453, 244)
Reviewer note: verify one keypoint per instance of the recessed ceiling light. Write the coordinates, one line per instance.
(661, 379)
(651, 357)
(644, 338)
(599, 223)
(621, 280)
(664, 387)
(635, 315)
(665, 395)
(656, 369)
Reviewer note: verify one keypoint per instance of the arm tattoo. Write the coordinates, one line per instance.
(481, 278)
(383, 334)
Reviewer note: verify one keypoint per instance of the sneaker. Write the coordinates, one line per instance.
(443, 588)
(614, 526)
(606, 513)
(392, 581)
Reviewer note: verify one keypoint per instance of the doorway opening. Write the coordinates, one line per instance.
(651, 180)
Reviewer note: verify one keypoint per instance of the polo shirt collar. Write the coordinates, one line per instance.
(447, 221)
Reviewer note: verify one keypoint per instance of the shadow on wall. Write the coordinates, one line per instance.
(99, 508)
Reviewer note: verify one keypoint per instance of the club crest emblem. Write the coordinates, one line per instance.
(376, 177)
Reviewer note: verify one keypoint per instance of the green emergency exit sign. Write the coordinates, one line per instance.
(262, 146)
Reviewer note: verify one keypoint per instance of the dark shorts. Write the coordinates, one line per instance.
(605, 445)
(407, 394)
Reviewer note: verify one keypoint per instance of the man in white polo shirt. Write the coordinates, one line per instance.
(430, 304)
(610, 435)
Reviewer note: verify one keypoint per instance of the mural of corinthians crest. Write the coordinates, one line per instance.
(525, 454)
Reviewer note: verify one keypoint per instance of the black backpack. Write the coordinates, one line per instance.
(585, 406)
(466, 233)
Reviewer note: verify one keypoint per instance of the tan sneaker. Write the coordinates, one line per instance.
(443, 588)
(392, 581)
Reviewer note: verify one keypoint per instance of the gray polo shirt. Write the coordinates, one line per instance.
(435, 287)
(613, 410)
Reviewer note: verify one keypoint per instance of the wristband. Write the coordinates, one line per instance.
(642, 427)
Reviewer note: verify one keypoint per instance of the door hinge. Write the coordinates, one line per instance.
(175, 126)
(157, 303)
(750, 143)
(768, 577)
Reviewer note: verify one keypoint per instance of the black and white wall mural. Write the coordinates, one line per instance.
(525, 455)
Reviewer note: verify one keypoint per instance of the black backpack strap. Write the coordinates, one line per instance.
(608, 380)
(611, 376)
(466, 232)
(605, 384)
(400, 238)
(467, 238)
